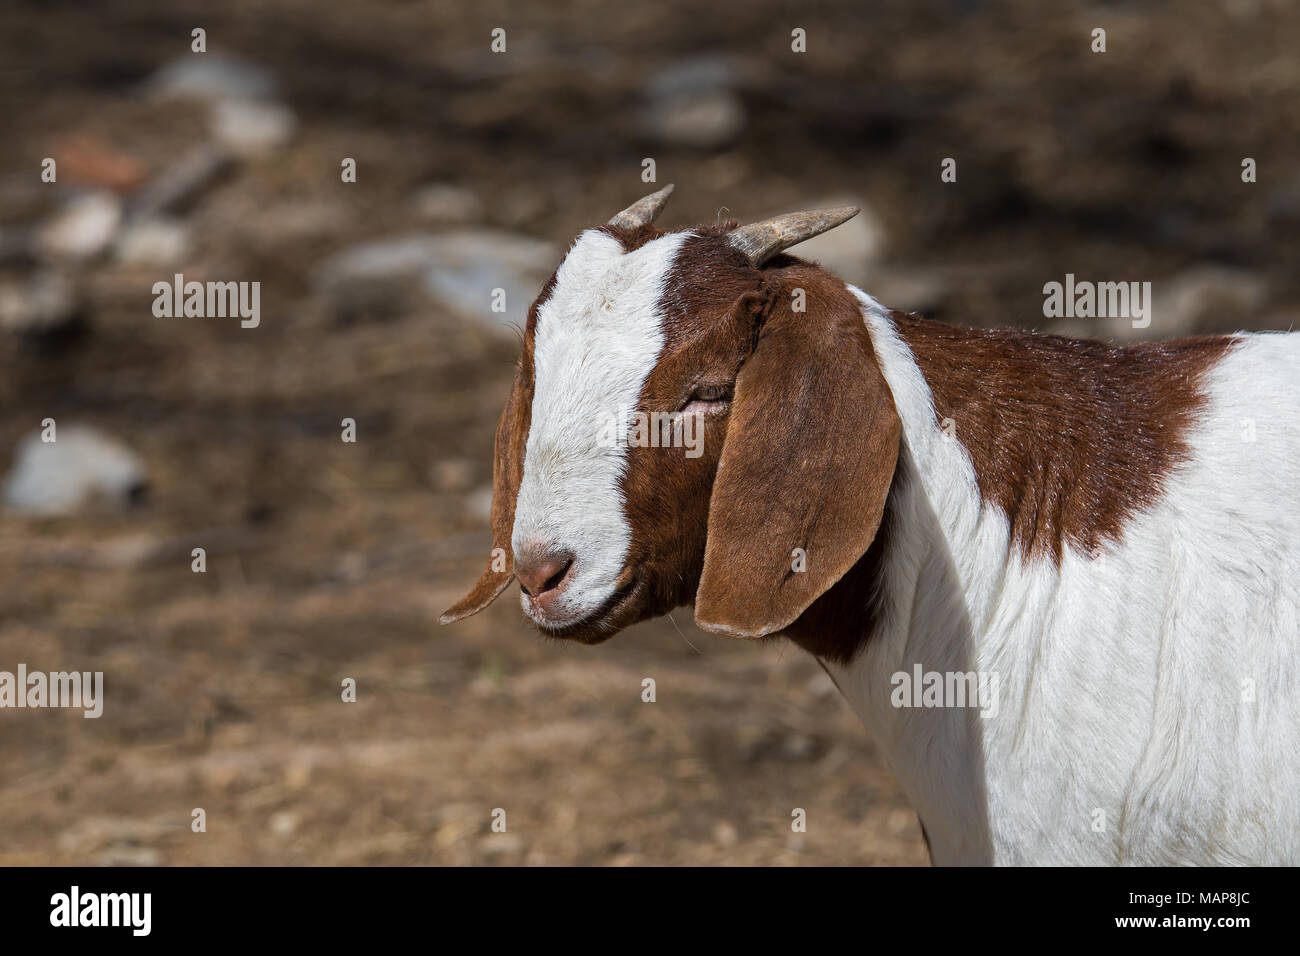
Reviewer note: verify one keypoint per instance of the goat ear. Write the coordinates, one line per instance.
(811, 446)
(507, 472)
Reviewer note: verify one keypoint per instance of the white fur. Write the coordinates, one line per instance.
(1125, 731)
(598, 337)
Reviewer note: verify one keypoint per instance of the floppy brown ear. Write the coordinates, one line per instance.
(507, 472)
(808, 460)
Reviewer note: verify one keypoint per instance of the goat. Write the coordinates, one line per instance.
(1112, 533)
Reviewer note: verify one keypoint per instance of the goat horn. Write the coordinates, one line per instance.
(762, 240)
(643, 211)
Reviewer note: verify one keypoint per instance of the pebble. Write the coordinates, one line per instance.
(210, 76)
(446, 203)
(460, 269)
(83, 466)
(83, 228)
(154, 242)
(692, 103)
(37, 306)
(252, 128)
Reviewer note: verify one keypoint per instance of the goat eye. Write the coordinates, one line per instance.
(711, 393)
(708, 397)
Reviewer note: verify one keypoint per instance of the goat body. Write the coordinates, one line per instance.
(1149, 706)
(1058, 580)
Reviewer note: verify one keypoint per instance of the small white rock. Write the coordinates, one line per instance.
(725, 833)
(81, 466)
(154, 242)
(446, 203)
(470, 265)
(707, 119)
(252, 127)
(461, 269)
(42, 304)
(692, 102)
(210, 76)
(284, 823)
(83, 228)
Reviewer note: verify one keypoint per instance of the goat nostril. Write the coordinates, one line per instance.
(542, 572)
(554, 580)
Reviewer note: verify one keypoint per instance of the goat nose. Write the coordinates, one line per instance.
(542, 571)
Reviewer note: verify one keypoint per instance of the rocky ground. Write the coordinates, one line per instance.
(328, 560)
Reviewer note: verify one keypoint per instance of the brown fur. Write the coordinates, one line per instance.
(1069, 437)
(712, 309)
(807, 464)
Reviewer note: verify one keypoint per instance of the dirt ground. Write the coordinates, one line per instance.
(329, 560)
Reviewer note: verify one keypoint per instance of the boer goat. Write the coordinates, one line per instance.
(1112, 533)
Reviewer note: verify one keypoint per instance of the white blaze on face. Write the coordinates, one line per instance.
(597, 338)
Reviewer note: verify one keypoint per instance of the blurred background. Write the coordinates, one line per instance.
(474, 170)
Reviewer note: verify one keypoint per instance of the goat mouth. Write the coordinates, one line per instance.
(603, 622)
